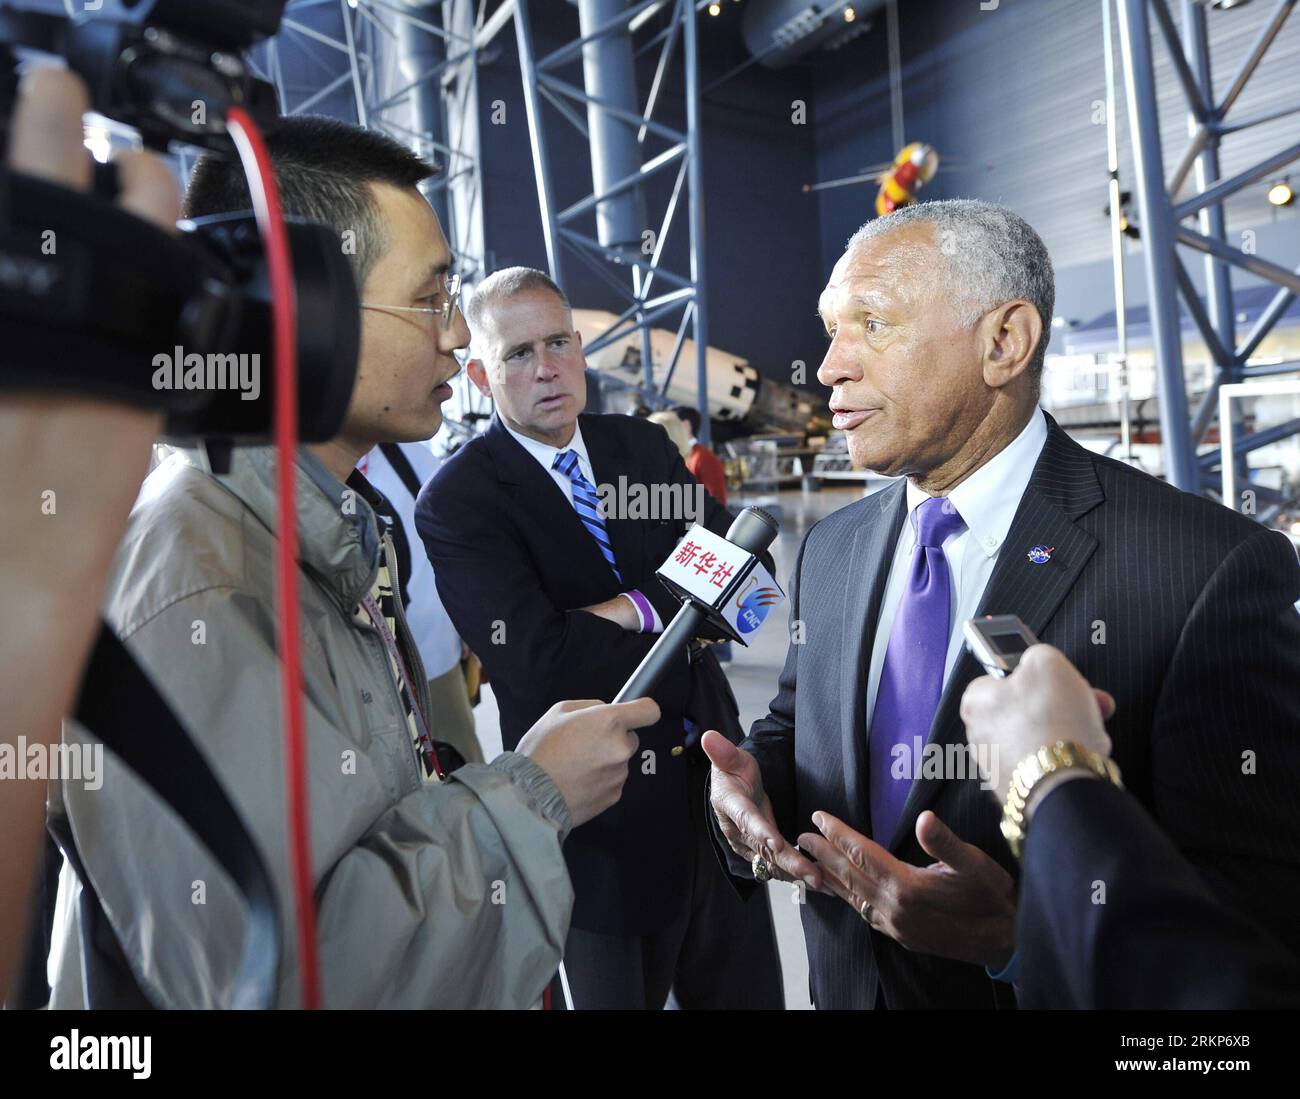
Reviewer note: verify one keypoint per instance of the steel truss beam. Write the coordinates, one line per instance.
(631, 271)
(411, 68)
(1227, 394)
(1162, 215)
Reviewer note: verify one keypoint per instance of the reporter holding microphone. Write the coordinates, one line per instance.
(435, 885)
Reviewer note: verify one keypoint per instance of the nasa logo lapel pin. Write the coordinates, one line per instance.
(1040, 555)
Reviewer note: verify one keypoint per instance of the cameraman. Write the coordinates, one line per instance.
(431, 891)
(92, 456)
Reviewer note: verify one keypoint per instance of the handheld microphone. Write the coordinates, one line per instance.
(719, 580)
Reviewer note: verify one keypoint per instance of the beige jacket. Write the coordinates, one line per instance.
(451, 895)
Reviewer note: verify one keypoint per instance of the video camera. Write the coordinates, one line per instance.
(91, 297)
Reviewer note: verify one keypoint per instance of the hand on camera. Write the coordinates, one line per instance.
(91, 454)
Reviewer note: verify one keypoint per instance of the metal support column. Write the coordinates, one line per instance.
(1157, 221)
(1218, 277)
(1116, 237)
(1163, 216)
(464, 161)
(609, 76)
(420, 57)
(407, 68)
(690, 42)
(537, 139)
(614, 250)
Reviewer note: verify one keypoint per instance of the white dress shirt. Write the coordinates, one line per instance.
(987, 500)
(545, 455)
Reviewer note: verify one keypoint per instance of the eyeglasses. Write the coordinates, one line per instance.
(450, 287)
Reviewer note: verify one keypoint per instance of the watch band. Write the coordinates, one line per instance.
(1050, 759)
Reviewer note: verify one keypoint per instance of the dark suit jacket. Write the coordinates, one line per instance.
(1179, 607)
(514, 564)
(1156, 937)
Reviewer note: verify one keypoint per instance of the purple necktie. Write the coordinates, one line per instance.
(912, 677)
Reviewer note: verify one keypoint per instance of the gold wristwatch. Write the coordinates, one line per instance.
(1050, 759)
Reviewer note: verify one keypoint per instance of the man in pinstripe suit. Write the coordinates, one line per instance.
(938, 319)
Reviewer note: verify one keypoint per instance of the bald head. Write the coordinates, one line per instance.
(499, 288)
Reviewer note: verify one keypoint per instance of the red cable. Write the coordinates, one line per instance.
(284, 318)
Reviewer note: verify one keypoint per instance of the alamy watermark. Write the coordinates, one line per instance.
(82, 763)
(179, 370)
(126, 1053)
(634, 500)
(945, 761)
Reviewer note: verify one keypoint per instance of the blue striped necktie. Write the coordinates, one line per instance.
(587, 505)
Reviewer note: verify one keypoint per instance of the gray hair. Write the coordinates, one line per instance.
(501, 286)
(994, 256)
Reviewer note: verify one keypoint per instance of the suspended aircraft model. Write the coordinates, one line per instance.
(900, 180)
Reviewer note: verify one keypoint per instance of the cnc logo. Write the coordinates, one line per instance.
(753, 604)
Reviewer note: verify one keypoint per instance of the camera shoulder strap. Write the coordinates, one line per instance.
(121, 707)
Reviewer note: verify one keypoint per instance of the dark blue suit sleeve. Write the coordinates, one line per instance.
(1225, 737)
(1111, 915)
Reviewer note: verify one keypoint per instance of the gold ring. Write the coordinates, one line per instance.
(762, 868)
(866, 911)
